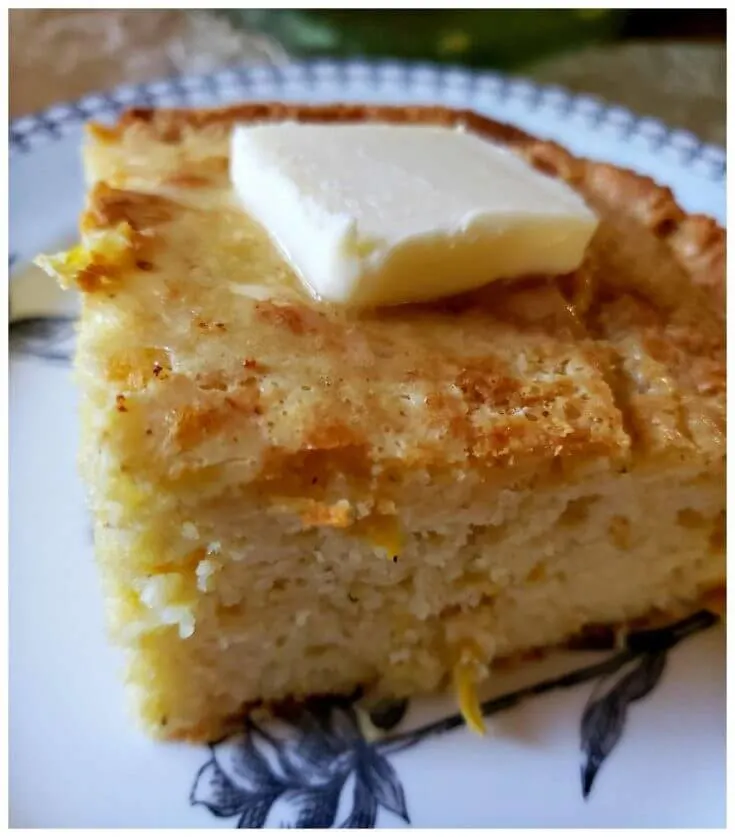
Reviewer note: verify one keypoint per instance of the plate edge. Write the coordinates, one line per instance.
(29, 131)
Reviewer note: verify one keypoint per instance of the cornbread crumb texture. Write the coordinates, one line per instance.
(208, 281)
(537, 455)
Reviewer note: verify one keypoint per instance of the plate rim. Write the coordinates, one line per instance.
(29, 131)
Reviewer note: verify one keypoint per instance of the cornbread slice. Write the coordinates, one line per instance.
(293, 499)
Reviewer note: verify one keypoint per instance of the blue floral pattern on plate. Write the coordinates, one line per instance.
(311, 762)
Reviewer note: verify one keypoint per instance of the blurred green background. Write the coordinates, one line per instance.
(665, 63)
(502, 38)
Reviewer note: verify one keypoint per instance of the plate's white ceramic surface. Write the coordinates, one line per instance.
(75, 757)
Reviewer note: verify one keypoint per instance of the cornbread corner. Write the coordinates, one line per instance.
(291, 499)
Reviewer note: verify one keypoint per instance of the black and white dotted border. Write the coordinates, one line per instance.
(424, 83)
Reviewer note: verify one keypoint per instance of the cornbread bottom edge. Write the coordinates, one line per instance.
(255, 617)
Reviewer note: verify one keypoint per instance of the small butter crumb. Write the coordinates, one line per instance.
(183, 617)
(205, 572)
(190, 531)
(158, 594)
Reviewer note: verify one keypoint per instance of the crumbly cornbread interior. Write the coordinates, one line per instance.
(294, 499)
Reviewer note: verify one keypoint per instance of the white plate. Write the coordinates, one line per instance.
(75, 757)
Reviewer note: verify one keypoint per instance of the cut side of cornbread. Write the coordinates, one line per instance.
(292, 498)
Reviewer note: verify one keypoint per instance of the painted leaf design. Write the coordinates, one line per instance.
(50, 338)
(311, 767)
(305, 767)
(603, 720)
(308, 755)
(324, 731)
(364, 807)
(215, 791)
(305, 808)
(269, 749)
(378, 775)
(338, 723)
(240, 759)
(653, 640)
(344, 727)
(256, 811)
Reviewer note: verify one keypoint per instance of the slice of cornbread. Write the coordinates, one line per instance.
(294, 499)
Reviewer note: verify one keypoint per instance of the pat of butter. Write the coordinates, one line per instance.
(378, 214)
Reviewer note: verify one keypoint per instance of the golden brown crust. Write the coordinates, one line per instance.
(108, 207)
(642, 321)
(170, 125)
(698, 242)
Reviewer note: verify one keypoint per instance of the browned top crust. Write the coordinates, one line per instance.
(698, 241)
(200, 329)
(169, 125)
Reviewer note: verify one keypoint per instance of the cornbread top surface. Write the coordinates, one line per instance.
(197, 339)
